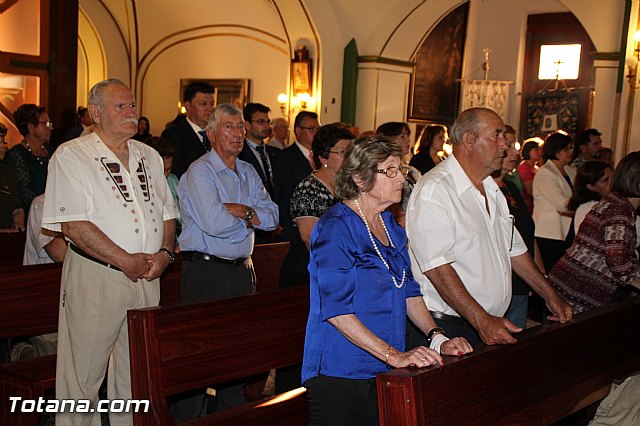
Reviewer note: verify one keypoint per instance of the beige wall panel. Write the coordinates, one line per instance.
(220, 57)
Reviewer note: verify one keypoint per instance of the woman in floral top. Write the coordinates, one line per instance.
(603, 256)
(313, 196)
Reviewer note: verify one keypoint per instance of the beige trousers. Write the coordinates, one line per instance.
(92, 332)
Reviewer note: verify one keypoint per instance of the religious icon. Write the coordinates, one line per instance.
(301, 70)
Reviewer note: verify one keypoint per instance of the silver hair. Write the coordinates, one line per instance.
(361, 159)
(469, 121)
(97, 91)
(223, 109)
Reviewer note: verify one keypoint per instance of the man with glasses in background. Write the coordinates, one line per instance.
(463, 244)
(293, 165)
(255, 152)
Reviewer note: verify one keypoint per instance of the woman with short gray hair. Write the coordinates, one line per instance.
(362, 290)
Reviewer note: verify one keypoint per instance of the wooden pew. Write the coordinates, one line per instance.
(12, 248)
(180, 348)
(28, 307)
(553, 371)
(29, 298)
(267, 260)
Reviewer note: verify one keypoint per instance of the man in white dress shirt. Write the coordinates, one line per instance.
(463, 241)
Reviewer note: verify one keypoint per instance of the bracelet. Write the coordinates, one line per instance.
(386, 357)
(172, 257)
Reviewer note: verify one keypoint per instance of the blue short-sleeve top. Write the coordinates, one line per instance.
(348, 277)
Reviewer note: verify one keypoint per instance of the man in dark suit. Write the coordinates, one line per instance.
(255, 152)
(294, 164)
(84, 125)
(188, 136)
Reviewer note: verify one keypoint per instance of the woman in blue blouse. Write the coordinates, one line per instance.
(362, 290)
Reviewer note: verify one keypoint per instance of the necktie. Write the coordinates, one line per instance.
(266, 166)
(205, 140)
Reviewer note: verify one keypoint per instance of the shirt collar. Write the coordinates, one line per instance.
(216, 162)
(194, 126)
(304, 150)
(251, 143)
(462, 181)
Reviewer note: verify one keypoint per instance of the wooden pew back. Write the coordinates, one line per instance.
(553, 371)
(180, 348)
(29, 300)
(12, 248)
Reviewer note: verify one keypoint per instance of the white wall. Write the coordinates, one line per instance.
(221, 57)
(255, 39)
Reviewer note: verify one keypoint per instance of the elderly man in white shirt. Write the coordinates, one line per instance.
(109, 196)
(463, 242)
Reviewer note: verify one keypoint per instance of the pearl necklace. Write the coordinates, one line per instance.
(37, 158)
(375, 246)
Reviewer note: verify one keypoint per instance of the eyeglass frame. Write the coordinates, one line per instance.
(48, 124)
(341, 152)
(404, 170)
(311, 128)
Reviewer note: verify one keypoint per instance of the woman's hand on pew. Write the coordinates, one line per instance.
(457, 346)
(417, 357)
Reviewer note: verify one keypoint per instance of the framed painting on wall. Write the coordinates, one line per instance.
(233, 91)
(435, 90)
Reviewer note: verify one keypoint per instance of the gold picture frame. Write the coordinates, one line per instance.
(234, 91)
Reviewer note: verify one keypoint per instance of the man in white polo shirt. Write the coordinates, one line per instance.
(109, 196)
(463, 242)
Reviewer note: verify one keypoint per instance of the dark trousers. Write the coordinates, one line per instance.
(453, 327)
(551, 251)
(206, 280)
(336, 401)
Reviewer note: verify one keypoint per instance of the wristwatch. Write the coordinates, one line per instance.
(172, 257)
(250, 214)
(433, 332)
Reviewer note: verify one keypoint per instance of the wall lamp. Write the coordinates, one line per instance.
(296, 103)
(632, 62)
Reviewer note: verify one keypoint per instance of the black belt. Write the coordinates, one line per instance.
(91, 258)
(194, 256)
(451, 318)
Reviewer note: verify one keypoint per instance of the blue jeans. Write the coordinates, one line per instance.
(517, 312)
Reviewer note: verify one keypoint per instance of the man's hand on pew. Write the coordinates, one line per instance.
(560, 310)
(496, 331)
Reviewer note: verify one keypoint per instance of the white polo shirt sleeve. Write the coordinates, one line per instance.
(66, 193)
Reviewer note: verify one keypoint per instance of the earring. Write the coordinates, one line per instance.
(325, 165)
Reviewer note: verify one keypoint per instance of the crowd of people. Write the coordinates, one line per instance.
(408, 257)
